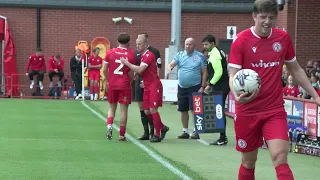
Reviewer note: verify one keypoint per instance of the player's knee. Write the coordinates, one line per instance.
(279, 158)
(153, 110)
(147, 112)
(249, 159)
(278, 151)
(140, 104)
(249, 164)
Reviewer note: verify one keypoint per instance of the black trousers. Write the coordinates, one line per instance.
(77, 79)
(40, 74)
(59, 73)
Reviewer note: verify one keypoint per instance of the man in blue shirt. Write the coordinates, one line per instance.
(192, 77)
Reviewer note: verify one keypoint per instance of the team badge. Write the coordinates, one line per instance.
(242, 143)
(277, 47)
(195, 58)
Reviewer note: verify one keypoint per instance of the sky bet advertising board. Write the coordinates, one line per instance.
(208, 113)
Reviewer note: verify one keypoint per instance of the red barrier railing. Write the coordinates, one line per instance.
(26, 92)
(4, 79)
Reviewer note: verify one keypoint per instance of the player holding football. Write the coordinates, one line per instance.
(119, 83)
(153, 90)
(264, 49)
(94, 65)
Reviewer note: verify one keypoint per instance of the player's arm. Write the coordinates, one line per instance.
(44, 66)
(157, 54)
(105, 67)
(28, 65)
(173, 64)
(236, 59)
(138, 69)
(215, 62)
(297, 72)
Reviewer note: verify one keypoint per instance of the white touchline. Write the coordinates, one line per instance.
(154, 155)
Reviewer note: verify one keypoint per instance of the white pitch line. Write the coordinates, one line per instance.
(203, 142)
(154, 155)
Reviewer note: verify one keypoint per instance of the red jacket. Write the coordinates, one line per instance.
(54, 65)
(36, 63)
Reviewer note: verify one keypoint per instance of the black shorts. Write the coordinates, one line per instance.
(138, 90)
(185, 97)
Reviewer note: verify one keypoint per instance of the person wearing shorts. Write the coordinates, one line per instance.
(192, 77)
(261, 114)
(119, 79)
(94, 66)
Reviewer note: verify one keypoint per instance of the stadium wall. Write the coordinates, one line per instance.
(61, 29)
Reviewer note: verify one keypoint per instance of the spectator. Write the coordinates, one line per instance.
(36, 66)
(192, 77)
(291, 89)
(76, 72)
(55, 65)
(314, 80)
(94, 66)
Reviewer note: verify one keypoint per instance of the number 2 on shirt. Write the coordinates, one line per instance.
(118, 70)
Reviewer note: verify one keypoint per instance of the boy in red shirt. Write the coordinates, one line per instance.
(94, 66)
(36, 66)
(56, 64)
(291, 89)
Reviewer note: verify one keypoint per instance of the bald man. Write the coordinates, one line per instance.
(192, 77)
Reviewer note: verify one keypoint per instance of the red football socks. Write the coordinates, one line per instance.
(110, 120)
(122, 130)
(245, 174)
(284, 172)
(157, 123)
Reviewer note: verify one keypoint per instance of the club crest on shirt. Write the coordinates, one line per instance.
(277, 47)
(195, 58)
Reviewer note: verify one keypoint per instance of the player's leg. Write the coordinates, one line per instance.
(40, 76)
(96, 84)
(275, 132)
(143, 116)
(146, 122)
(61, 75)
(124, 99)
(183, 108)
(155, 101)
(223, 140)
(112, 99)
(249, 139)
(51, 74)
(191, 90)
(31, 73)
(91, 84)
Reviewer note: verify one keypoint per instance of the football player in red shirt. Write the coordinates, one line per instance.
(119, 79)
(264, 49)
(55, 65)
(153, 90)
(94, 66)
(36, 66)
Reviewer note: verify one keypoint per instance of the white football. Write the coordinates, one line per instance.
(246, 80)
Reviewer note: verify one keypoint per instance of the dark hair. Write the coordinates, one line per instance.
(123, 38)
(145, 34)
(57, 55)
(265, 6)
(209, 38)
(38, 50)
(95, 49)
